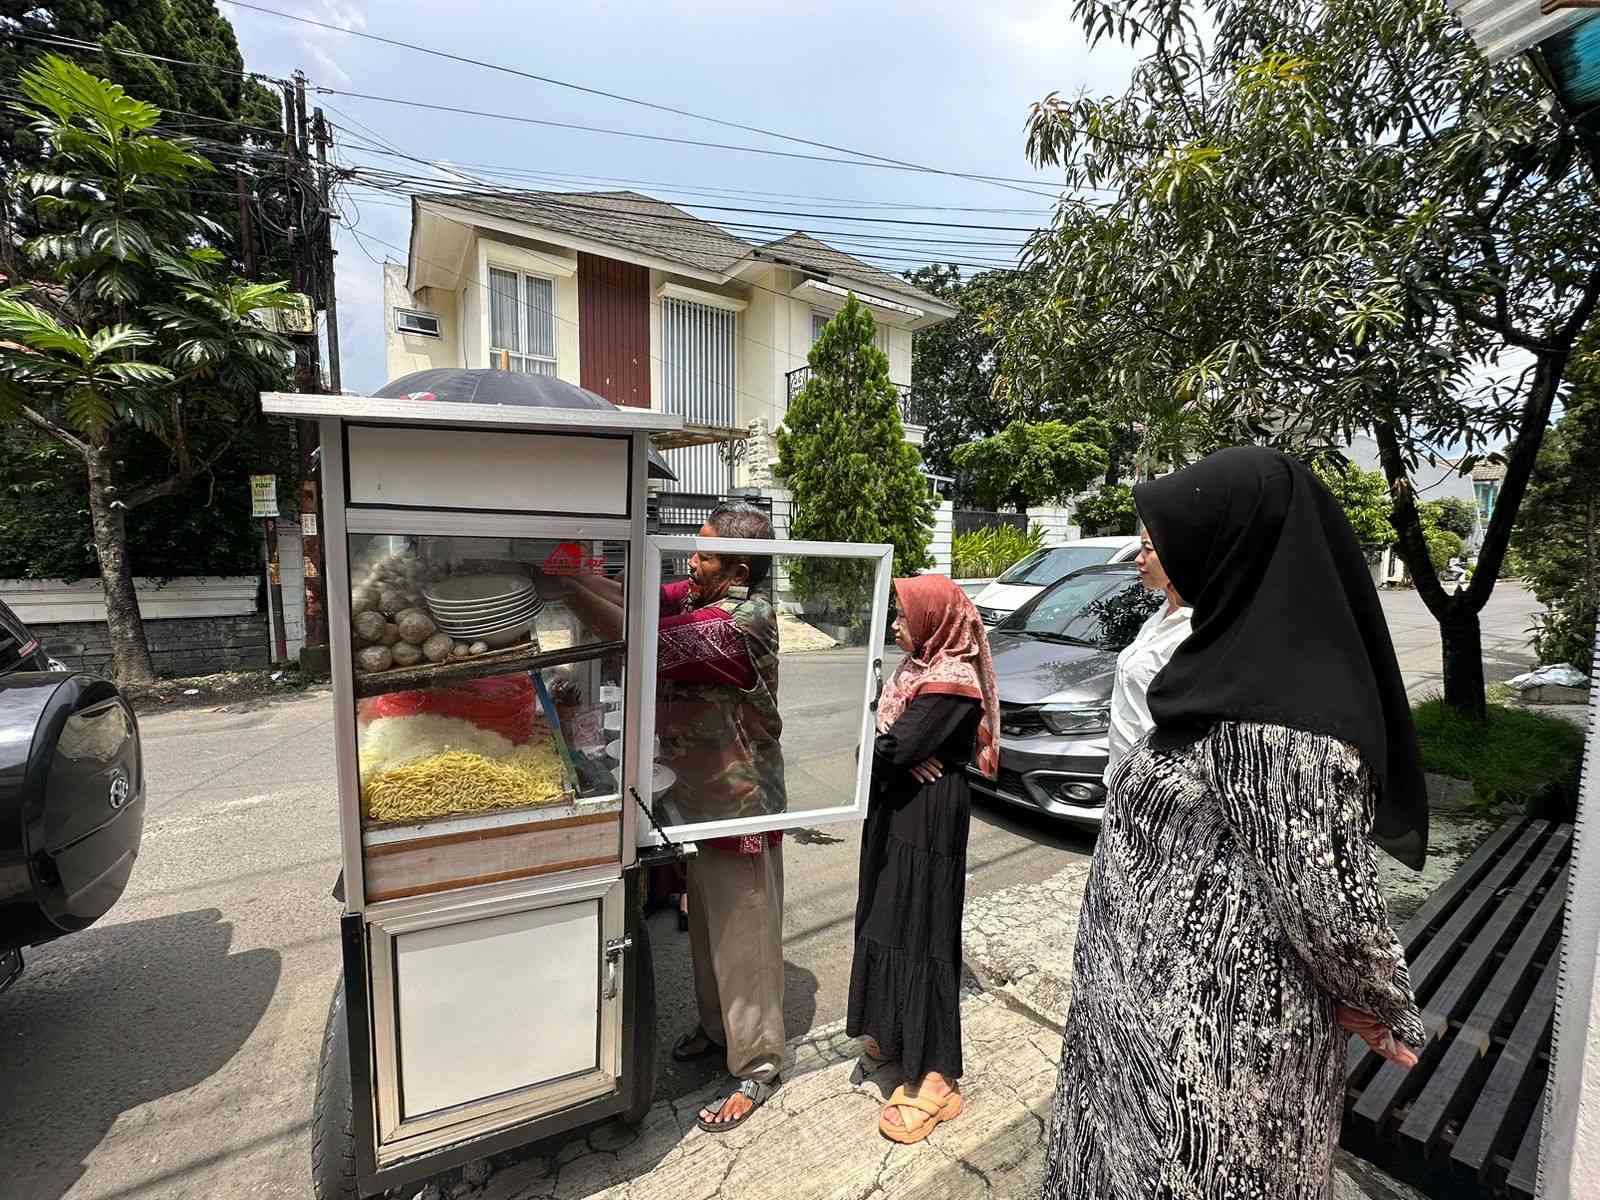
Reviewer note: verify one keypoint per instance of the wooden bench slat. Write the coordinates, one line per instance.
(1523, 1178)
(1457, 886)
(1515, 1072)
(1447, 1087)
(1393, 1083)
(1480, 887)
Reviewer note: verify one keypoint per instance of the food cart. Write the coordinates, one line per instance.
(498, 781)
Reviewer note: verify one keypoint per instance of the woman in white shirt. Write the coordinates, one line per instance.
(1142, 659)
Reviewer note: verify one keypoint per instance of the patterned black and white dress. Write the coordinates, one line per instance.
(1233, 902)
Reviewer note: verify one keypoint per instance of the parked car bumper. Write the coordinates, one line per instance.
(1058, 776)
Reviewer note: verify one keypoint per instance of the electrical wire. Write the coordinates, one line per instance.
(101, 48)
(882, 160)
(657, 137)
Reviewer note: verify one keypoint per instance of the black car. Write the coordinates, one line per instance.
(1055, 660)
(71, 797)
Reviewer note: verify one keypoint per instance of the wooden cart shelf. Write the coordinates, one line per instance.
(513, 659)
(486, 823)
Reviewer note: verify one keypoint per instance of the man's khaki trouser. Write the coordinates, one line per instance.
(736, 937)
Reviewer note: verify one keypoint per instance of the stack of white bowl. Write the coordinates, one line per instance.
(496, 609)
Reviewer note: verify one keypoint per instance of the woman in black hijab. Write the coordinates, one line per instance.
(1232, 927)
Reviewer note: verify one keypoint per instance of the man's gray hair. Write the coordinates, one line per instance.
(741, 519)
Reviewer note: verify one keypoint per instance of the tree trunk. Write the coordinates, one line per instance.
(1463, 662)
(130, 652)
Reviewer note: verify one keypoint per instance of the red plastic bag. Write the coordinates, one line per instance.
(502, 704)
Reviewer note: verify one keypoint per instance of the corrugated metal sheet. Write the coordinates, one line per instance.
(698, 378)
(1503, 28)
(614, 330)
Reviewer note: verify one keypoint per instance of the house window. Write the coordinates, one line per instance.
(522, 321)
(698, 381)
(1488, 493)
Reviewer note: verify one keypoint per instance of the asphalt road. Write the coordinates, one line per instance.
(170, 1051)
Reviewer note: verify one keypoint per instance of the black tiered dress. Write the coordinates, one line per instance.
(905, 983)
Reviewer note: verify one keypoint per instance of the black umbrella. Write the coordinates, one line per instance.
(462, 386)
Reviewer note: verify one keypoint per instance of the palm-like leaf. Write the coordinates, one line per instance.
(38, 330)
(89, 409)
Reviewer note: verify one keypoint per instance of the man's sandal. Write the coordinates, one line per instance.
(682, 1053)
(935, 1109)
(757, 1093)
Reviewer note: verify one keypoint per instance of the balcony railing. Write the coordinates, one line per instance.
(913, 409)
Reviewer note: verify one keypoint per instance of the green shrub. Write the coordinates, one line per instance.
(1512, 756)
(1564, 632)
(1109, 512)
(1452, 514)
(1442, 547)
(984, 553)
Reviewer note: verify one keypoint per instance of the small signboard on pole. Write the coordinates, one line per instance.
(263, 495)
(264, 506)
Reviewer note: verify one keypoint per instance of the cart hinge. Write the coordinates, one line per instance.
(614, 950)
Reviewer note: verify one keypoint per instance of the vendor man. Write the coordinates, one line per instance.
(717, 714)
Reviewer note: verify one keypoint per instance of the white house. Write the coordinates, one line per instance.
(641, 302)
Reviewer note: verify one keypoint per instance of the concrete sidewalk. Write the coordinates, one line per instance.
(817, 1138)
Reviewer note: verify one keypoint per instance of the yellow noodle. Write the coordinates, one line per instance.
(459, 781)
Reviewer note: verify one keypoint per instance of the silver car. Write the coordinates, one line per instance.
(1055, 660)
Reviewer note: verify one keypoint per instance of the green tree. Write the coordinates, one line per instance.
(1558, 530)
(1326, 218)
(842, 450)
(1454, 515)
(219, 105)
(130, 336)
(1109, 511)
(1364, 496)
(1024, 465)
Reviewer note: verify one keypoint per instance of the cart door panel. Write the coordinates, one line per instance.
(493, 1011)
(803, 725)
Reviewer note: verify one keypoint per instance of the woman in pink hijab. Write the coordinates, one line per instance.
(939, 712)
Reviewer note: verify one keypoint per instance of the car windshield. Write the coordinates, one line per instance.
(1044, 567)
(1100, 610)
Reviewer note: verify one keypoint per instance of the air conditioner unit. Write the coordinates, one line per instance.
(411, 320)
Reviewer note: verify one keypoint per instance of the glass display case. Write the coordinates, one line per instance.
(486, 701)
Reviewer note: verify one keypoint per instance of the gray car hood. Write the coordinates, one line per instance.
(1031, 670)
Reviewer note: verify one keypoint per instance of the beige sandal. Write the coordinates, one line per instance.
(935, 1110)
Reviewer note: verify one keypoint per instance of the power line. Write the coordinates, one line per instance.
(656, 137)
(650, 104)
(778, 212)
(365, 132)
(644, 224)
(100, 48)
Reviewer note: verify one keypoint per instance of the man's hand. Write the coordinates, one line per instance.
(928, 770)
(1376, 1034)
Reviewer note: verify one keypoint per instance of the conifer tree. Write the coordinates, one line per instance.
(855, 478)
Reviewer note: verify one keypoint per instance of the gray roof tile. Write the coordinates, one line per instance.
(646, 225)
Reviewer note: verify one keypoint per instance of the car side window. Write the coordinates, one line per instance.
(1113, 620)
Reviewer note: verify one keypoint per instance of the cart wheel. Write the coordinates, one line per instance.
(644, 1022)
(333, 1141)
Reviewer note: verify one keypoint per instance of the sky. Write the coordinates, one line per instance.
(935, 83)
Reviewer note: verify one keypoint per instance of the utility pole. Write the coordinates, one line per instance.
(247, 233)
(329, 297)
(307, 258)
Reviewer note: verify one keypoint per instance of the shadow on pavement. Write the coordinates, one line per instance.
(113, 1018)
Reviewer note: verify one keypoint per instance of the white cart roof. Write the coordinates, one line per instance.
(402, 411)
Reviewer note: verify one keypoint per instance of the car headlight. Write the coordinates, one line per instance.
(1075, 719)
